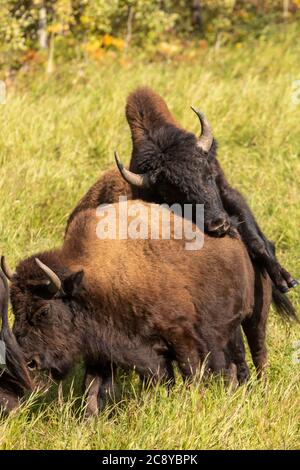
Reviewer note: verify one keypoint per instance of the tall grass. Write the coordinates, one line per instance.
(59, 133)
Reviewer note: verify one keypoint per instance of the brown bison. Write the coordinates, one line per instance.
(137, 304)
(170, 165)
(108, 189)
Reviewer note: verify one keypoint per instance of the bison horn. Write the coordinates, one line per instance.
(6, 269)
(135, 179)
(206, 139)
(55, 283)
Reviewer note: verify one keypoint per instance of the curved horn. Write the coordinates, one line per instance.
(4, 301)
(141, 181)
(6, 269)
(206, 139)
(55, 282)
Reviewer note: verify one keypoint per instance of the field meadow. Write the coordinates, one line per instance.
(58, 134)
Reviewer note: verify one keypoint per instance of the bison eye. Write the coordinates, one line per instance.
(32, 365)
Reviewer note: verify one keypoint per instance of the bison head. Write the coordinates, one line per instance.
(171, 166)
(46, 314)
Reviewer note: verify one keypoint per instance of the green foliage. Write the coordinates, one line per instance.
(77, 27)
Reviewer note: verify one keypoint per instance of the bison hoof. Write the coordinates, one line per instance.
(293, 283)
(283, 288)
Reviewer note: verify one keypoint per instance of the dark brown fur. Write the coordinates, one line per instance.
(100, 192)
(140, 304)
(180, 172)
(107, 190)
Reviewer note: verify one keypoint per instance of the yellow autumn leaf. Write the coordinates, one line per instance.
(85, 20)
(109, 40)
(92, 46)
(57, 28)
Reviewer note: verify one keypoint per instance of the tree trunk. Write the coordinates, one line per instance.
(196, 16)
(286, 5)
(129, 29)
(50, 63)
(42, 29)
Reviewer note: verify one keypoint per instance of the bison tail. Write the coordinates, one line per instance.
(283, 305)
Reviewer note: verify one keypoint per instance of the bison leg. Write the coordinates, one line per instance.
(154, 365)
(108, 390)
(92, 384)
(259, 248)
(188, 358)
(255, 326)
(217, 363)
(164, 375)
(190, 353)
(256, 336)
(100, 386)
(236, 355)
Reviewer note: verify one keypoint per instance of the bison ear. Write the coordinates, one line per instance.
(72, 283)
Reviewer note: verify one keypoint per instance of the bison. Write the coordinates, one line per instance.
(137, 304)
(14, 379)
(108, 189)
(170, 165)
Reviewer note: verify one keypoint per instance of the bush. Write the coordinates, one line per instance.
(82, 27)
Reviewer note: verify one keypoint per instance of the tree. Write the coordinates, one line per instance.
(196, 16)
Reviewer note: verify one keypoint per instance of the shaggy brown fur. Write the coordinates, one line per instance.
(138, 304)
(178, 171)
(107, 190)
(181, 173)
(146, 111)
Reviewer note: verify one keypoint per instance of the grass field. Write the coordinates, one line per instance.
(59, 133)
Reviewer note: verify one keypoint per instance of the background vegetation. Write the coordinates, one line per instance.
(62, 120)
(50, 31)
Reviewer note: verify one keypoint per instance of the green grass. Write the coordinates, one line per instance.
(59, 133)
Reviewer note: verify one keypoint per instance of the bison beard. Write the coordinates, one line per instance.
(97, 299)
